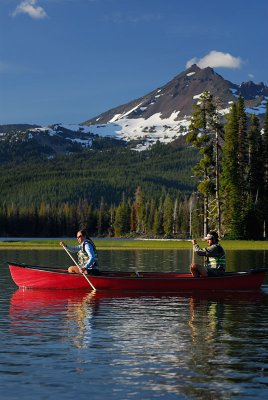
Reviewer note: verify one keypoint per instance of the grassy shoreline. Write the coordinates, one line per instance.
(124, 244)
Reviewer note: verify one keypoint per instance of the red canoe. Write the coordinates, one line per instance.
(36, 277)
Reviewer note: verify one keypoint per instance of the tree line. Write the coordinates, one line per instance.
(137, 217)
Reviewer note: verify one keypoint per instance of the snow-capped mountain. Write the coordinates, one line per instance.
(163, 114)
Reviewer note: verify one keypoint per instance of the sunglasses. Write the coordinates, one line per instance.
(79, 237)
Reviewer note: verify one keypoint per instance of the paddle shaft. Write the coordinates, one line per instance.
(193, 255)
(69, 254)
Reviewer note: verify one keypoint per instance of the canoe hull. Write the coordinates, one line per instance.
(33, 278)
(37, 278)
(178, 284)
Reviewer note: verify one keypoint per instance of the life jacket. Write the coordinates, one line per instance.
(83, 256)
(218, 261)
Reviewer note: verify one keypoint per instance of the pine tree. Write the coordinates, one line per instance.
(205, 132)
(255, 162)
(103, 218)
(122, 219)
(254, 180)
(175, 218)
(112, 211)
(168, 216)
(233, 204)
(139, 210)
(265, 173)
(242, 147)
(158, 220)
(133, 218)
(151, 215)
(157, 228)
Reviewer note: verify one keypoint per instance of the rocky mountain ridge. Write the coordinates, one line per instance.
(161, 115)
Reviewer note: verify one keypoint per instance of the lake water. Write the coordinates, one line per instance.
(84, 345)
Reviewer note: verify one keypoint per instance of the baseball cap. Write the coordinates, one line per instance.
(211, 236)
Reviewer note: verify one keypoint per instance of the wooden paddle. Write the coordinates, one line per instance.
(84, 275)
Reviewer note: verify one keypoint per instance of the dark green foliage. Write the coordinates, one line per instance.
(91, 175)
(168, 216)
(52, 197)
(14, 128)
(205, 132)
(21, 150)
(122, 219)
(264, 200)
(230, 177)
(243, 176)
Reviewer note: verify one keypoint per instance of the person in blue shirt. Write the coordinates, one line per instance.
(87, 255)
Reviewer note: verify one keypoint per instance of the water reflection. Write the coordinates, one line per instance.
(28, 308)
(191, 345)
(195, 344)
(218, 324)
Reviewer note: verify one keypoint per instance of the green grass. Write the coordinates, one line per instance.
(112, 244)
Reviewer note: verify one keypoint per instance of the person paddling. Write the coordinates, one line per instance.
(215, 260)
(87, 255)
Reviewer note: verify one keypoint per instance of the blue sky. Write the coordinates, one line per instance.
(65, 61)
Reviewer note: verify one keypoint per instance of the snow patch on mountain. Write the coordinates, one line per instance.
(148, 131)
(234, 92)
(259, 109)
(118, 116)
(144, 131)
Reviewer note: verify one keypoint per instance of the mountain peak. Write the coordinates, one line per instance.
(164, 113)
(178, 96)
(251, 90)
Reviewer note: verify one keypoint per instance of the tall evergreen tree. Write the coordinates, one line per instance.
(103, 218)
(168, 216)
(265, 174)
(233, 203)
(255, 159)
(150, 220)
(242, 147)
(139, 210)
(254, 180)
(175, 217)
(205, 131)
(122, 219)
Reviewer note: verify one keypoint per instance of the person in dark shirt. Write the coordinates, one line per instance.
(215, 260)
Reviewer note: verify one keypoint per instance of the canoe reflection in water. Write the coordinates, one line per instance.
(43, 314)
(74, 314)
(209, 311)
(225, 328)
(189, 345)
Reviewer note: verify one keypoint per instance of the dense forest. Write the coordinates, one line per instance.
(48, 197)
(216, 177)
(232, 171)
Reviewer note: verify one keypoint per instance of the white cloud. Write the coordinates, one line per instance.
(30, 8)
(216, 59)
